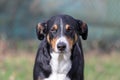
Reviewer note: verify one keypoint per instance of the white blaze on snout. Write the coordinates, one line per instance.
(62, 39)
(60, 62)
(61, 26)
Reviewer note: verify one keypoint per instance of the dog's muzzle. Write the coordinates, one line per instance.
(61, 46)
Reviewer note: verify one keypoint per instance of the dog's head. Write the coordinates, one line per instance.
(62, 32)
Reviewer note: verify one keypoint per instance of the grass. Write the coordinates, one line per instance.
(16, 67)
(97, 67)
(105, 67)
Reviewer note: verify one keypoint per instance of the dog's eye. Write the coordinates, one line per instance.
(53, 30)
(69, 29)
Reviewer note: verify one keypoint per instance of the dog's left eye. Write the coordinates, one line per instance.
(69, 29)
(53, 30)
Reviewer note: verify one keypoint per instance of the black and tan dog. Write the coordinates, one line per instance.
(60, 54)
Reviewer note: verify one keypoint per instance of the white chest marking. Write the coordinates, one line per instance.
(61, 65)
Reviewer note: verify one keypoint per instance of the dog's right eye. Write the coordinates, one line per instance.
(69, 29)
(53, 30)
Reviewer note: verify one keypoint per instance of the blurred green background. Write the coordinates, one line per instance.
(18, 41)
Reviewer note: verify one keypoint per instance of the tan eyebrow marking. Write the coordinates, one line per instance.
(61, 25)
(55, 27)
(67, 26)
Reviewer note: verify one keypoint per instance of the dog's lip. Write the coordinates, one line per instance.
(62, 52)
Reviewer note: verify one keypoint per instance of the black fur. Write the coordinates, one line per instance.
(42, 68)
(77, 58)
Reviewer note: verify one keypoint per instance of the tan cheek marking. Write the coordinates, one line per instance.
(70, 41)
(48, 38)
(53, 42)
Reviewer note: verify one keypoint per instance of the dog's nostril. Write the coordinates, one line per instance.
(61, 46)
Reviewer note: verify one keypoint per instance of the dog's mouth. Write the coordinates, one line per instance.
(62, 52)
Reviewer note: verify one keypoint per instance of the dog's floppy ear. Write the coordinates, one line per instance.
(41, 29)
(82, 29)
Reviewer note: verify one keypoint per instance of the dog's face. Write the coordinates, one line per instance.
(62, 32)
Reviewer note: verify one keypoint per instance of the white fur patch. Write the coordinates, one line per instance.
(61, 65)
(61, 25)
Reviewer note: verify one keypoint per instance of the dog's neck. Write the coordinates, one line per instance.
(60, 64)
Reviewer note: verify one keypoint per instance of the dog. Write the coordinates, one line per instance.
(60, 55)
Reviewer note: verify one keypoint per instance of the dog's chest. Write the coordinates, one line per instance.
(61, 65)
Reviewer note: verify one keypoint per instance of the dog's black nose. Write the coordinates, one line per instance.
(61, 46)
